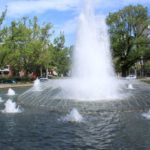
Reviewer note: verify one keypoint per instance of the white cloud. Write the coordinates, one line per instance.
(38, 6)
(70, 26)
(23, 7)
(137, 1)
(115, 4)
(19, 8)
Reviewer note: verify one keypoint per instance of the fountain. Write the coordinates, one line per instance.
(10, 107)
(73, 116)
(1, 100)
(146, 115)
(92, 65)
(130, 86)
(11, 92)
(93, 76)
(37, 85)
(93, 81)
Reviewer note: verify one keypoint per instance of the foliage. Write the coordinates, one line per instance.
(2, 36)
(129, 35)
(27, 46)
(147, 67)
(60, 55)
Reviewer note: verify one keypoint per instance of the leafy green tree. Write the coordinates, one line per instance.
(16, 44)
(60, 55)
(147, 68)
(27, 44)
(3, 31)
(59, 41)
(41, 35)
(129, 35)
(2, 18)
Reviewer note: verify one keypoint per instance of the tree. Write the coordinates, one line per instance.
(2, 18)
(129, 35)
(60, 55)
(18, 37)
(27, 44)
(2, 37)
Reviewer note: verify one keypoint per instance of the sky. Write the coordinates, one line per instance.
(63, 14)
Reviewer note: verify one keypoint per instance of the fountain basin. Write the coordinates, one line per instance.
(137, 99)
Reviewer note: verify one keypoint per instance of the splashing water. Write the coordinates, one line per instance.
(11, 92)
(37, 85)
(130, 86)
(73, 116)
(92, 62)
(11, 107)
(146, 115)
(1, 100)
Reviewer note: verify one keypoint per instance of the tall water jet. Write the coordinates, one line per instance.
(92, 66)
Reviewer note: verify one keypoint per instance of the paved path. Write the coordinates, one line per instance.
(15, 85)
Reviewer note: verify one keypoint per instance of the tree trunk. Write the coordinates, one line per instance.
(46, 72)
(41, 73)
(124, 71)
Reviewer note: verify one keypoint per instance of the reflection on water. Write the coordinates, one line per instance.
(41, 129)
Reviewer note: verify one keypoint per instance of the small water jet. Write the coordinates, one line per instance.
(11, 107)
(73, 116)
(146, 115)
(130, 86)
(11, 92)
(37, 85)
(1, 100)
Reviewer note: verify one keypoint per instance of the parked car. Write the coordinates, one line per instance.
(131, 76)
(42, 79)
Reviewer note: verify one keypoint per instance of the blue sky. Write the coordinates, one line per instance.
(62, 14)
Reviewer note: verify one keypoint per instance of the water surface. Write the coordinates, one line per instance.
(39, 128)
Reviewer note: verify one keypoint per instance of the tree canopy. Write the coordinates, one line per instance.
(28, 46)
(129, 30)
